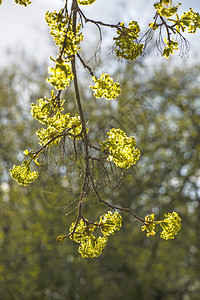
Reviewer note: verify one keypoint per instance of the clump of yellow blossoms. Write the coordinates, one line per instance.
(122, 149)
(168, 14)
(105, 87)
(49, 112)
(61, 75)
(85, 2)
(149, 225)
(165, 8)
(126, 42)
(23, 174)
(91, 246)
(170, 225)
(170, 47)
(61, 29)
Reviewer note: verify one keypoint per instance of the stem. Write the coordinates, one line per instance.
(167, 29)
(88, 178)
(84, 131)
(117, 26)
(78, 99)
(84, 65)
(76, 88)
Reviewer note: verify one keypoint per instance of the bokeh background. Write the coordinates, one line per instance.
(160, 106)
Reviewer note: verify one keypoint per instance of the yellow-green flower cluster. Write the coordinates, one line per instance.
(110, 222)
(126, 41)
(45, 135)
(23, 174)
(85, 2)
(23, 2)
(91, 246)
(149, 225)
(58, 124)
(83, 230)
(122, 149)
(170, 225)
(170, 47)
(165, 8)
(61, 75)
(45, 109)
(76, 126)
(61, 30)
(105, 87)
(189, 20)
(49, 112)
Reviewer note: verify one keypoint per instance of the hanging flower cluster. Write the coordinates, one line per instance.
(122, 149)
(105, 87)
(82, 233)
(61, 29)
(61, 75)
(23, 174)
(170, 225)
(85, 2)
(126, 45)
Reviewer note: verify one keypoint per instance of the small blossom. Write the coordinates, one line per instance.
(149, 225)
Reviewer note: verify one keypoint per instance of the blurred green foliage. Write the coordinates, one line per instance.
(162, 112)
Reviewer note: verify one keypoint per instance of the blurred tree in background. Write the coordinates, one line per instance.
(163, 110)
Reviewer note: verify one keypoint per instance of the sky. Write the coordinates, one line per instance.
(24, 28)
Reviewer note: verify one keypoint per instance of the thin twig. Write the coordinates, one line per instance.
(84, 65)
(114, 207)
